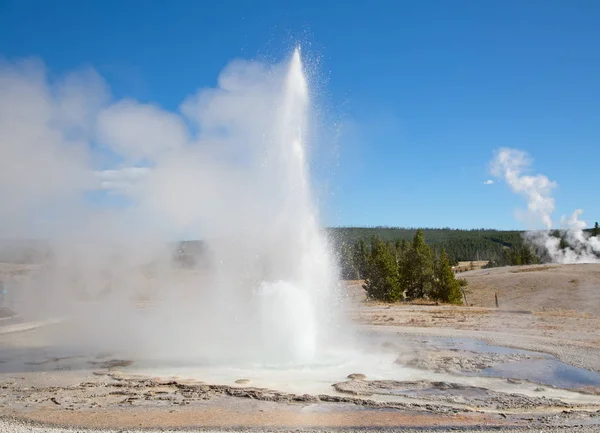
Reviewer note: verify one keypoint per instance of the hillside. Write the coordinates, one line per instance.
(537, 287)
(461, 245)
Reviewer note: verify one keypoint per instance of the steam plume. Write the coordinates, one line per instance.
(109, 185)
(511, 166)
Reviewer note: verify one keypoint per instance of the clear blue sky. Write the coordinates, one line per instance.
(426, 90)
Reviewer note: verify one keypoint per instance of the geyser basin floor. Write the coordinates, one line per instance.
(110, 392)
(463, 361)
(104, 390)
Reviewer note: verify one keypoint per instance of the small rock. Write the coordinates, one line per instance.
(514, 381)
(540, 389)
(243, 381)
(357, 376)
(442, 385)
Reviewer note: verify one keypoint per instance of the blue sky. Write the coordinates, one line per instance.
(424, 90)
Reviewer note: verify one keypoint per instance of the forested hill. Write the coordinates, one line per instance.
(476, 244)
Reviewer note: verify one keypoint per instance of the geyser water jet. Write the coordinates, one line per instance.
(303, 272)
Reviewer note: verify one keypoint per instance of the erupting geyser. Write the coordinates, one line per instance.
(230, 167)
(303, 270)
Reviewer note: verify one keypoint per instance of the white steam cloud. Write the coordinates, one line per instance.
(109, 185)
(511, 165)
(123, 178)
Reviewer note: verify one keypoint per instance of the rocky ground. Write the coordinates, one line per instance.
(102, 392)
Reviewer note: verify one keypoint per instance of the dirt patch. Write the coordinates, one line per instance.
(541, 268)
(229, 414)
(449, 393)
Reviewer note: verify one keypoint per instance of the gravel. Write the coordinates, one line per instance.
(13, 426)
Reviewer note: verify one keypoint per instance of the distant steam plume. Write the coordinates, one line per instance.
(576, 246)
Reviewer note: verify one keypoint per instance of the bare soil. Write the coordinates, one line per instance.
(541, 288)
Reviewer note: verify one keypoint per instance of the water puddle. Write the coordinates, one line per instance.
(550, 372)
(472, 345)
(536, 367)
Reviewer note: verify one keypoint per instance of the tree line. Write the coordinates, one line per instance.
(401, 270)
(460, 245)
(498, 247)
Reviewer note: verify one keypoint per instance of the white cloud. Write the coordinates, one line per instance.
(488, 182)
(121, 179)
(55, 133)
(43, 157)
(141, 131)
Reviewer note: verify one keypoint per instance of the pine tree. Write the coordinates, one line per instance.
(445, 287)
(392, 247)
(382, 281)
(398, 251)
(404, 246)
(417, 268)
(527, 256)
(596, 230)
(563, 244)
(360, 258)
